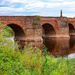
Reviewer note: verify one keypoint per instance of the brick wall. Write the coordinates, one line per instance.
(34, 32)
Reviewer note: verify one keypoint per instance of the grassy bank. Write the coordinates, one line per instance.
(31, 61)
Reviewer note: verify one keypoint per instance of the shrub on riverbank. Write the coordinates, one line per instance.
(31, 61)
(7, 32)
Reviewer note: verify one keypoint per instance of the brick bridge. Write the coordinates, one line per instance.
(31, 28)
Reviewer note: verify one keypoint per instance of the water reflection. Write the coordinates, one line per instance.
(72, 44)
(50, 44)
(33, 43)
(56, 46)
(60, 46)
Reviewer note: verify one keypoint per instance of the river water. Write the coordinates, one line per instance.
(61, 46)
(57, 46)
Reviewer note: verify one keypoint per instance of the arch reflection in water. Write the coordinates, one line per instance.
(49, 43)
(31, 43)
(72, 44)
(57, 46)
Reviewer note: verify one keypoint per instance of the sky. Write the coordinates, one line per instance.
(37, 7)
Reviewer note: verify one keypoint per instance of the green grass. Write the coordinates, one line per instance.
(7, 31)
(31, 61)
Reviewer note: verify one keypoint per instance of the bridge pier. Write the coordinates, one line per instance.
(62, 29)
(31, 35)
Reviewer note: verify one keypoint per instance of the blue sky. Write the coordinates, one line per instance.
(37, 7)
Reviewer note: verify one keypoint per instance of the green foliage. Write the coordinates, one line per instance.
(25, 29)
(66, 21)
(37, 18)
(7, 31)
(35, 22)
(31, 61)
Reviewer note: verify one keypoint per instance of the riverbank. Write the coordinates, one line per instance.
(31, 61)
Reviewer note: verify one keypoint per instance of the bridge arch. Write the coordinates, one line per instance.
(71, 29)
(18, 31)
(48, 30)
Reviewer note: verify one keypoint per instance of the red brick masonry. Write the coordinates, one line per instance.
(24, 27)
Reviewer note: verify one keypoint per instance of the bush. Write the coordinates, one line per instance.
(35, 22)
(37, 18)
(7, 31)
(66, 21)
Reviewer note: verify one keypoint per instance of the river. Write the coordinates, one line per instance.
(64, 47)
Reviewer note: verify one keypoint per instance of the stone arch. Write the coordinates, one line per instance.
(71, 29)
(18, 31)
(48, 30)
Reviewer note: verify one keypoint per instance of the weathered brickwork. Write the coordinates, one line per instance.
(25, 29)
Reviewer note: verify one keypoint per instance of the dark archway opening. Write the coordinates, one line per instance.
(19, 35)
(71, 29)
(48, 30)
(18, 31)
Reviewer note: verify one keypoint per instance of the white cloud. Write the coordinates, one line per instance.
(38, 6)
(69, 14)
(19, 1)
(32, 5)
(62, 0)
(9, 9)
(2, 3)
